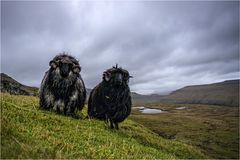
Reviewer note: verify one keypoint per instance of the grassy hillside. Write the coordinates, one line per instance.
(223, 93)
(27, 132)
(213, 129)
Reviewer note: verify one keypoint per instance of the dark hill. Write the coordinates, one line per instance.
(139, 99)
(223, 93)
(11, 86)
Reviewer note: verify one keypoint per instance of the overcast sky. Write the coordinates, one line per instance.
(164, 45)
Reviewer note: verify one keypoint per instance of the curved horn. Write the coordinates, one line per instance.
(106, 76)
(53, 64)
(76, 68)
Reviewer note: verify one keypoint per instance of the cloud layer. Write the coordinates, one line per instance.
(164, 45)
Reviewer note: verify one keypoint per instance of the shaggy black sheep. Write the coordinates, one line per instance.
(62, 88)
(111, 99)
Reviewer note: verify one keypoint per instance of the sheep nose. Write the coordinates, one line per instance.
(64, 70)
(118, 79)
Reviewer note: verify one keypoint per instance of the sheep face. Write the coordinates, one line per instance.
(65, 66)
(64, 71)
(116, 77)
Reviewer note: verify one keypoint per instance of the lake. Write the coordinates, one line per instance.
(146, 110)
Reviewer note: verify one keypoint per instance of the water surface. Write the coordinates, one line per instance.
(146, 110)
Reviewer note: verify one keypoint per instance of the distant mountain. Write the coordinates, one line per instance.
(11, 86)
(223, 93)
(140, 99)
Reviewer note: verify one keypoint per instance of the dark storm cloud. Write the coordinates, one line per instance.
(164, 45)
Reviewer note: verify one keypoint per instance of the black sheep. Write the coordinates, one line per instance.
(111, 99)
(62, 88)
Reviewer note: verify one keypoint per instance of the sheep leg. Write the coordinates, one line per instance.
(59, 106)
(71, 111)
(106, 119)
(116, 126)
(47, 100)
(111, 124)
(71, 106)
(65, 110)
(58, 110)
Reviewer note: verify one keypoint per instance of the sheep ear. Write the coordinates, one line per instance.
(106, 76)
(53, 64)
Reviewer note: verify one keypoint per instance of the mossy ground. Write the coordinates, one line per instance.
(27, 132)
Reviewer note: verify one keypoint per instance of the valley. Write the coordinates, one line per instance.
(212, 129)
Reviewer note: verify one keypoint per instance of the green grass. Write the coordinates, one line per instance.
(27, 132)
(212, 129)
